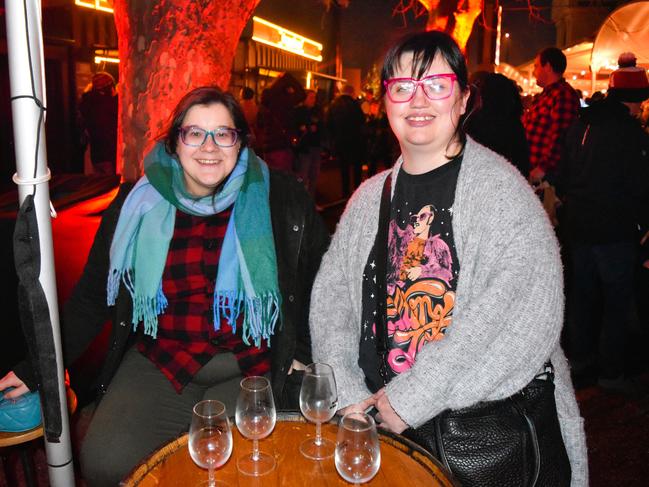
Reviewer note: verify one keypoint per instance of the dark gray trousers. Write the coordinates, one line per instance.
(142, 411)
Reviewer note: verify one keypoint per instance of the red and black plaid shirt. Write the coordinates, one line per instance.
(546, 123)
(186, 338)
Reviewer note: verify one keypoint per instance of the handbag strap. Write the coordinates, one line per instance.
(381, 252)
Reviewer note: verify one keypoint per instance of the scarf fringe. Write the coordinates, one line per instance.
(145, 309)
(260, 314)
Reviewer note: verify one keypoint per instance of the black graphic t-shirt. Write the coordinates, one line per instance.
(422, 269)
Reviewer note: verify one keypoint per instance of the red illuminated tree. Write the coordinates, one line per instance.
(167, 47)
(455, 17)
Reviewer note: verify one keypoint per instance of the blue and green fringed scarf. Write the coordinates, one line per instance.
(247, 273)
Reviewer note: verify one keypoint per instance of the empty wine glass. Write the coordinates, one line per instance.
(358, 455)
(255, 416)
(210, 437)
(318, 402)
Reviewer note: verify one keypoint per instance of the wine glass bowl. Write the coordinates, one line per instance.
(358, 454)
(318, 403)
(210, 437)
(255, 417)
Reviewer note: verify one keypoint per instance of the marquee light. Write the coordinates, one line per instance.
(271, 73)
(274, 35)
(103, 5)
(106, 59)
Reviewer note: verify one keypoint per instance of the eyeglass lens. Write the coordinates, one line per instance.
(421, 217)
(435, 88)
(196, 136)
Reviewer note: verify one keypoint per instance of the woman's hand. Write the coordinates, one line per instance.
(387, 418)
(359, 407)
(12, 380)
(296, 365)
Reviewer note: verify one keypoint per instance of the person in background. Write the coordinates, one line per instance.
(604, 185)
(473, 278)
(594, 98)
(345, 123)
(274, 122)
(249, 108)
(497, 122)
(98, 118)
(550, 115)
(308, 123)
(205, 268)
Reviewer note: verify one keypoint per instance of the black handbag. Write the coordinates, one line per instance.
(514, 441)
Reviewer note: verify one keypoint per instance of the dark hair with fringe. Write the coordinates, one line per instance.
(205, 95)
(424, 46)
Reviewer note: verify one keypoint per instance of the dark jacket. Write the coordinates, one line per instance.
(300, 241)
(502, 134)
(603, 176)
(99, 118)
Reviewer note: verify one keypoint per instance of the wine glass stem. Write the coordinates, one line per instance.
(210, 477)
(318, 434)
(255, 450)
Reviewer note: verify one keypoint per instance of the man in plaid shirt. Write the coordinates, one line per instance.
(549, 117)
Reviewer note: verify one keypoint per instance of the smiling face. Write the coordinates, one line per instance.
(423, 125)
(207, 166)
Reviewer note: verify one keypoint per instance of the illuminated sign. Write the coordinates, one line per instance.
(104, 59)
(103, 5)
(106, 56)
(276, 36)
(269, 72)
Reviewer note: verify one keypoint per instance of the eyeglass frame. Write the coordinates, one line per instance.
(181, 132)
(418, 83)
(415, 217)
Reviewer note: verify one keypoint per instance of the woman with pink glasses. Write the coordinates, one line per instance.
(441, 295)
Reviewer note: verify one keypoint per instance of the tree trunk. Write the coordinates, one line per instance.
(166, 48)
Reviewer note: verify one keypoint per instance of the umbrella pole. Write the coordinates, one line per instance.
(26, 74)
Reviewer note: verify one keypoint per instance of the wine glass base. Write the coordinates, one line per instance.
(216, 483)
(264, 464)
(310, 449)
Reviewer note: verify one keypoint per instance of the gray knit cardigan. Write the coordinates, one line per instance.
(508, 313)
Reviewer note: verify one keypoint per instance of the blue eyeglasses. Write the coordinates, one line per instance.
(195, 136)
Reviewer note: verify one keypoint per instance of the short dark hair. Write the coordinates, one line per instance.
(205, 95)
(555, 57)
(424, 46)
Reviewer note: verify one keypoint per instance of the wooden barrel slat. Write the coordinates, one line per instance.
(401, 461)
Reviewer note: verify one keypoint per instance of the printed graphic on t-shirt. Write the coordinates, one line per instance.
(422, 272)
(420, 297)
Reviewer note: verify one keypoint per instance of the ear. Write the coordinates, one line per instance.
(464, 99)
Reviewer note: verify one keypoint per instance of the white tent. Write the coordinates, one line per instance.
(578, 72)
(591, 63)
(626, 29)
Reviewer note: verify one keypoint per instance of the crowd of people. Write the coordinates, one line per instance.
(296, 130)
(440, 291)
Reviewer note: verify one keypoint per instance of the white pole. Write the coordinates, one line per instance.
(26, 75)
(498, 32)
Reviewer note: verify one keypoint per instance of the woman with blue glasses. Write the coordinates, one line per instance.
(205, 268)
(446, 280)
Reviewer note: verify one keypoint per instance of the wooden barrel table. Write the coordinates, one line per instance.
(402, 462)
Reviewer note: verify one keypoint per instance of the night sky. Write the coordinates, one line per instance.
(369, 27)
